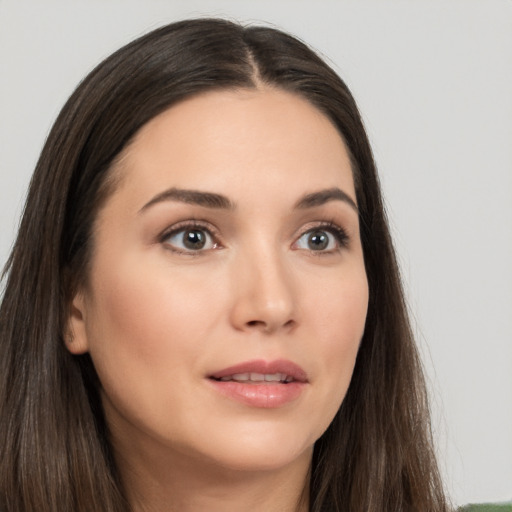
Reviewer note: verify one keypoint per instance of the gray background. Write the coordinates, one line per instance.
(434, 83)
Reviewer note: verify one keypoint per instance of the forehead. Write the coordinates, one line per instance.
(236, 141)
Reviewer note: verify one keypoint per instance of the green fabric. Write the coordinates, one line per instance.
(489, 507)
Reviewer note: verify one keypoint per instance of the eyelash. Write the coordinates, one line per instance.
(340, 235)
(190, 225)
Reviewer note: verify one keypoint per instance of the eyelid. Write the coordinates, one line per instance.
(190, 224)
(332, 227)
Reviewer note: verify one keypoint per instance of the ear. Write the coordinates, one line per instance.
(75, 336)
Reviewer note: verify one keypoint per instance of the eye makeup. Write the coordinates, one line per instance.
(195, 237)
(191, 237)
(323, 238)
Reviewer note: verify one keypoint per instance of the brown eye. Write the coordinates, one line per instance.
(190, 240)
(194, 239)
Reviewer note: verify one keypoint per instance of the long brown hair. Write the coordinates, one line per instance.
(377, 454)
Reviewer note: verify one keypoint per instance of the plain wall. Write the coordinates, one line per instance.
(434, 83)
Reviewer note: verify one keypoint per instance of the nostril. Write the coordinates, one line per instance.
(268, 327)
(255, 323)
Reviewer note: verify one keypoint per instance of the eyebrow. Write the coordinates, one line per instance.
(206, 199)
(218, 201)
(324, 196)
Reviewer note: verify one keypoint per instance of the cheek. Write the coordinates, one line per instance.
(149, 311)
(338, 309)
(338, 317)
(146, 329)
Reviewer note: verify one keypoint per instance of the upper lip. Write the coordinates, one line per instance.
(261, 366)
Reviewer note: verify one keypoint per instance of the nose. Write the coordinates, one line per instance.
(264, 299)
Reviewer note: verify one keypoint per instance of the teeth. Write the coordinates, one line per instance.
(258, 377)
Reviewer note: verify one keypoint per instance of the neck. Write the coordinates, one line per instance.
(173, 482)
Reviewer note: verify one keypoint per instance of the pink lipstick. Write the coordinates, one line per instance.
(259, 383)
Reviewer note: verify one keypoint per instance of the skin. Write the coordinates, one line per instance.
(158, 319)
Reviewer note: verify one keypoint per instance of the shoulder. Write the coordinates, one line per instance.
(487, 507)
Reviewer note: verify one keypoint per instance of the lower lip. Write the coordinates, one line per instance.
(267, 396)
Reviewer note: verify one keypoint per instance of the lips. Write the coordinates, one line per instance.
(259, 378)
(255, 369)
(259, 383)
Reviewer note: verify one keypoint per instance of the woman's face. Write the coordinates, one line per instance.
(227, 294)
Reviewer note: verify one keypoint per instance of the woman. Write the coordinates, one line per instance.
(203, 309)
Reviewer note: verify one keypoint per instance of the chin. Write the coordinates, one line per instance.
(257, 452)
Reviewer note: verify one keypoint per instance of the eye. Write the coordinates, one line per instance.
(322, 239)
(190, 239)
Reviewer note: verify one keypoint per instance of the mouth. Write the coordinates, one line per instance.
(261, 371)
(257, 378)
(261, 384)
